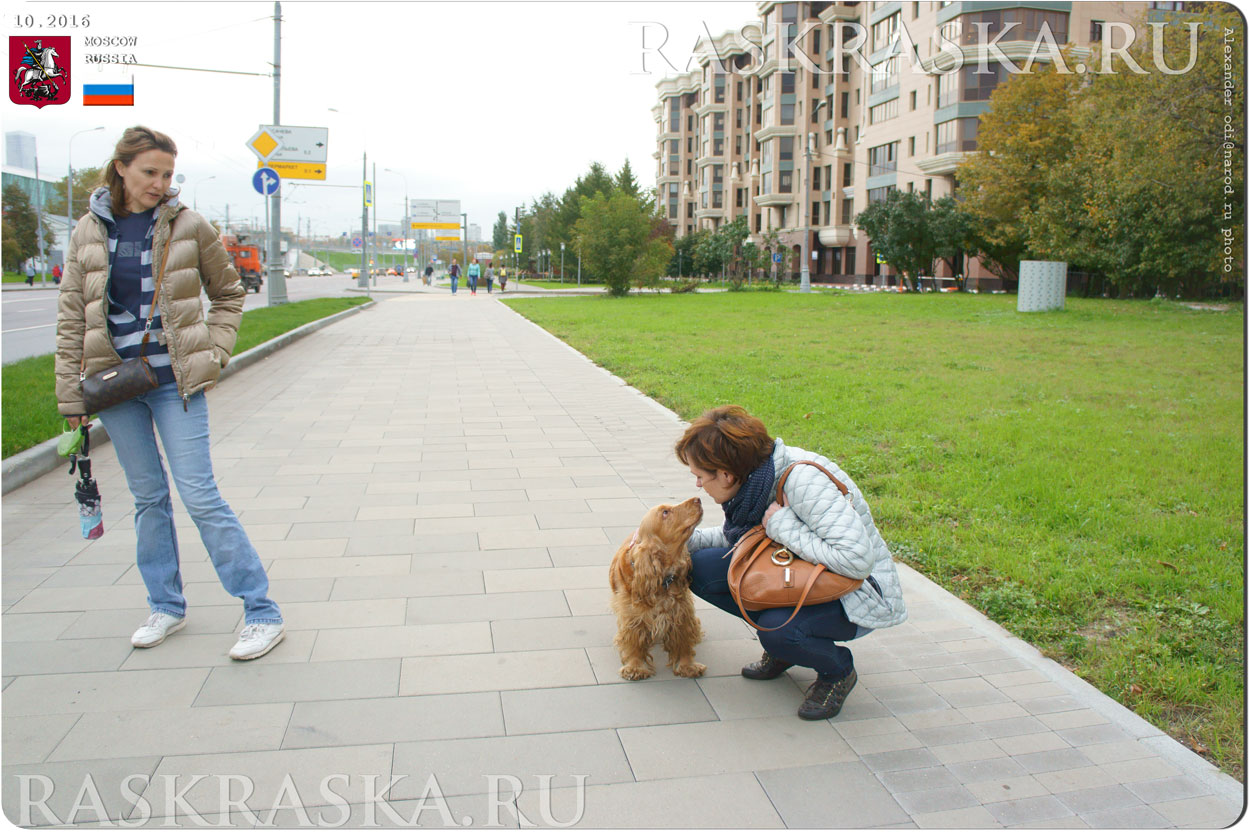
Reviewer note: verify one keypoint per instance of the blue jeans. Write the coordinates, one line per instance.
(184, 435)
(472, 283)
(810, 640)
(454, 281)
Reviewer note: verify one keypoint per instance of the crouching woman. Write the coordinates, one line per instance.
(733, 459)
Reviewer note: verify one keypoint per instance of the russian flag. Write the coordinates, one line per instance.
(108, 95)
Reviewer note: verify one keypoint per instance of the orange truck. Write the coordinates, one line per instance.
(247, 261)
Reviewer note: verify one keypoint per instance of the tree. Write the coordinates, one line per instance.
(1144, 196)
(899, 227)
(1027, 131)
(499, 238)
(20, 228)
(617, 239)
(682, 264)
(86, 180)
(952, 230)
(625, 182)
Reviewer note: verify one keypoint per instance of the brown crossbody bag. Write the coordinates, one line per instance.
(134, 376)
(764, 574)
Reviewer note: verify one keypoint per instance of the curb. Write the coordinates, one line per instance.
(32, 463)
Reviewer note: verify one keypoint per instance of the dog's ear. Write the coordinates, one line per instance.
(648, 560)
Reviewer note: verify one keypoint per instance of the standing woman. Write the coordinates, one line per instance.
(733, 459)
(135, 224)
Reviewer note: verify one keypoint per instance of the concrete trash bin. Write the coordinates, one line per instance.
(1043, 285)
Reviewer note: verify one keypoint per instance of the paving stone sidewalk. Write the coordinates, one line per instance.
(436, 487)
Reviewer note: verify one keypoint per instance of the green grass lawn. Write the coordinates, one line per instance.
(1076, 475)
(29, 400)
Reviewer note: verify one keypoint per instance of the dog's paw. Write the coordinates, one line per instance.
(690, 669)
(634, 673)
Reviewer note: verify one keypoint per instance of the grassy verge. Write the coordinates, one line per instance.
(1077, 476)
(29, 402)
(552, 284)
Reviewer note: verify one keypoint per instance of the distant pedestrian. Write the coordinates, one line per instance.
(429, 274)
(490, 280)
(30, 272)
(503, 280)
(454, 273)
(475, 271)
(56, 273)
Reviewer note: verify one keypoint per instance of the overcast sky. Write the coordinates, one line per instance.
(492, 103)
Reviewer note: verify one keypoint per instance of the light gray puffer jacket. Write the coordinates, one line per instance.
(820, 525)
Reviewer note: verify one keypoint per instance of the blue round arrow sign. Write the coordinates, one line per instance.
(266, 181)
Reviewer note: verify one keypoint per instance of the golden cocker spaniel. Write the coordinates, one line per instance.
(651, 596)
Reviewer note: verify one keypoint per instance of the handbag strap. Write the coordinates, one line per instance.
(781, 497)
(147, 326)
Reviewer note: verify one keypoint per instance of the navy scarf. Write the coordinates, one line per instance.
(746, 508)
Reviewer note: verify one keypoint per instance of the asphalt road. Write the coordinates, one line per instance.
(28, 316)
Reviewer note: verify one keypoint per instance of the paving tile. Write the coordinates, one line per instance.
(461, 766)
(865, 727)
(968, 751)
(254, 683)
(1072, 719)
(718, 747)
(722, 657)
(1057, 760)
(1206, 811)
(1132, 817)
(604, 706)
(391, 720)
(1012, 727)
(879, 743)
(936, 800)
(401, 641)
(413, 544)
(1024, 810)
(274, 777)
(1131, 771)
(1166, 788)
(901, 760)
(533, 580)
(976, 771)
(972, 818)
(948, 734)
(733, 697)
(811, 797)
(553, 633)
(1007, 788)
(598, 601)
(495, 671)
(918, 779)
(1031, 743)
(108, 691)
(39, 626)
(1097, 799)
(174, 731)
(450, 580)
(60, 784)
(30, 739)
(341, 567)
(21, 658)
(992, 713)
(332, 615)
(1093, 735)
(933, 719)
(709, 802)
(452, 609)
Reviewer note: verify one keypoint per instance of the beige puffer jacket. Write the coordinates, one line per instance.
(198, 348)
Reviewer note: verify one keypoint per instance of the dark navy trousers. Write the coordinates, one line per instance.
(810, 640)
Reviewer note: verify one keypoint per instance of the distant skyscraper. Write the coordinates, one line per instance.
(19, 150)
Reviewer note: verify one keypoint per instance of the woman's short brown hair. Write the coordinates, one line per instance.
(134, 141)
(725, 439)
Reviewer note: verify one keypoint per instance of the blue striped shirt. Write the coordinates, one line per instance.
(132, 289)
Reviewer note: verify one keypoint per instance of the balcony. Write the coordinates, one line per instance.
(773, 200)
(836, 235)
(943, 163)
(841, 11)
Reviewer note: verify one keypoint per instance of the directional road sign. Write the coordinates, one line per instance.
(777, 257)
(297, 170)
(284, 143)
(516, 243)
(266, 181)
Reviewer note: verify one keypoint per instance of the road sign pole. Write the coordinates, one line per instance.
(362, 280)
(277, 282)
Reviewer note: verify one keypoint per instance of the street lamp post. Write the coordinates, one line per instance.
(69, 186)
(195, 195)
(561, 262)
(404, 218)
(805, 276)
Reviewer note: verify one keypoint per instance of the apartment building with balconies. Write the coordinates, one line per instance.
(815, 110)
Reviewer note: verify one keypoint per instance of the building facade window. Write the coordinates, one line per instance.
(848, 174)
(846, 105)
(672, 200)
(884, 74)
(957, 135)
(785, 149)
(787, 114)
(848, 211)
(883, 112)
(913, 99)
(911, 146)
(880, 194)
(1020, 25)
(785, 182)
(884, 31)
(718, 89)
(883, 159)
(1095, 31)
(674, 114)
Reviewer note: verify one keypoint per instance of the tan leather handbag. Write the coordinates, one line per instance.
(764, 574)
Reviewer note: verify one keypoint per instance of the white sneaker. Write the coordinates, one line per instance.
(256, 640)
(154, 630)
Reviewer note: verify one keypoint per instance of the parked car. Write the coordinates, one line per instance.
(315, 271)
(353, 272)
(393, 271)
